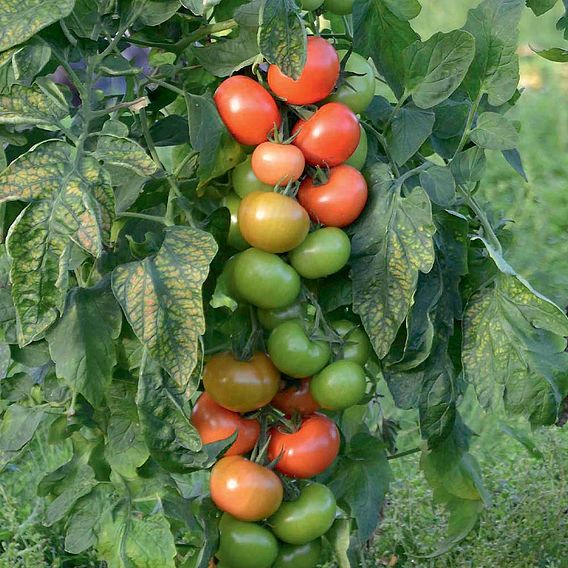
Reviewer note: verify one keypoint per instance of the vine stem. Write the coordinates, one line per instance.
(404, 454)
(470, 118)
(383, 142)
(133, 215)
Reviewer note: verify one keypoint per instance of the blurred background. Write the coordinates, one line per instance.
(527, 526)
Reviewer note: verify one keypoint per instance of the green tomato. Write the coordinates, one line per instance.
(357, 346)
(244, 180)
(359, 157)
(307, 518)
(234, 238)
(298, 556)
(245, 545)
(339, 7)
(310, 5)
(323, 252)
(294, 353)
(270, 319)
(340, 385)
(355, 91)
(264, 280)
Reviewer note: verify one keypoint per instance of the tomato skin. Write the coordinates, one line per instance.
(277, 164)
(340, 385)
(273, 222)
(307, 518)
(295, 398)
(338, 202)
(318, 77)
(339, 7)
(245, 182)
(214, 423)
(359, 157)
(241, 386)
(270, 319)
(245, 545)
(307, 452)
(265, 280)
(234, 238)
(323, 252)
(355, 91)
(357, 346)
(247, 109)
(329, 136)
(244, 489)
(293, 353)
(298, 556)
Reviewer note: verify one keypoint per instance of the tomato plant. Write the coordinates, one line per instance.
(137, 324)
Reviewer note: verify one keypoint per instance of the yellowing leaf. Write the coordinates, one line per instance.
(124, 153)
(30, 105)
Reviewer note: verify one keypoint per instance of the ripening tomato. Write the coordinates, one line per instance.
(339, 7)
(241, 386)
(245, 545)
(270, 319)
(273, 222)
(339, 385)
(357, 346)
(295, 398)
(298, 555)
(247, 109)
(307, 452)
(317, 79)
(338, 202)
(329, 136)
(246, 490)
(355, 91)
(277, 164)
(359, 157)
(234, 238)
(245, 182)
(214, 423)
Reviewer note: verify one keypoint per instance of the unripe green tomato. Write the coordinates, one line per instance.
(234, 238)
(323, 252)
(357, 346)
(270, 319)
(245, 545)
(310, 5)
(294, 353)
(355, 91)
(244, 180)
(264, 280)
(340, 385)
(339, 7)
(298, 556)
(307, 518)
(359, 157)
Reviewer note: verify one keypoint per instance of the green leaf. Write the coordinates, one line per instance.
(436, 68)
(410, 128)
(199, 7)
(20, 20)
(439, 184)
(339, 537)
(18, 426)
(149, 12)
(391, 245)
(495, 132)
(469, 166)
(70, 200)
(495, 67)
(540, 7)
(404, 9)
(33, 106)
(161, 298)
(513, 158)
(379, 33)
(556, 54)
(124, 153)
(524, 438)
(282, 36)
(29, 61)
(82, 342)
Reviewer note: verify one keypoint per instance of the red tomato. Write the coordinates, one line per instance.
(296, 398)
(214, 423)
(329, 136)
(318, 77)
(338, 202)
(247, 109)
(244, 489)
(277, 164)
(307, 452)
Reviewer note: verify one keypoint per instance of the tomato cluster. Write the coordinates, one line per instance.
(292, 198)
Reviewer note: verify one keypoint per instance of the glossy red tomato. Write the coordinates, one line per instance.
(247, 109)
(318, 77)
(338, 202)
(307, 452)
(244, 489)
(214, 423)
(277, 164)
(295, 398)
(329, 136)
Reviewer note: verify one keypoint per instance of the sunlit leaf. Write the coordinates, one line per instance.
(495, 132)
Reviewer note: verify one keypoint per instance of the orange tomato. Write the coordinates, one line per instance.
(295, 398)
(277, 164)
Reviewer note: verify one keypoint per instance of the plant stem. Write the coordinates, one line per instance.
(382, 141)
(133, 215)
(468, 124)
(404, 454)
(204, 32)
(126, 104)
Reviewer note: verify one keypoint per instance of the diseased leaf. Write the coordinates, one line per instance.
(32, 106)
(29, 61)
(161, 298)
(124, 153)
(495, 132)
(409, 129)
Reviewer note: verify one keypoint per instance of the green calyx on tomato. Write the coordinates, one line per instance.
(264, 280)
(245, 545)
(294, 353)
(244, 180)
(307, 518)
(234, 238)
(340, 385)
(359, 157)
(357, 85)
(269, 319)
(357, 346)
(323, 252)
(298, 556)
